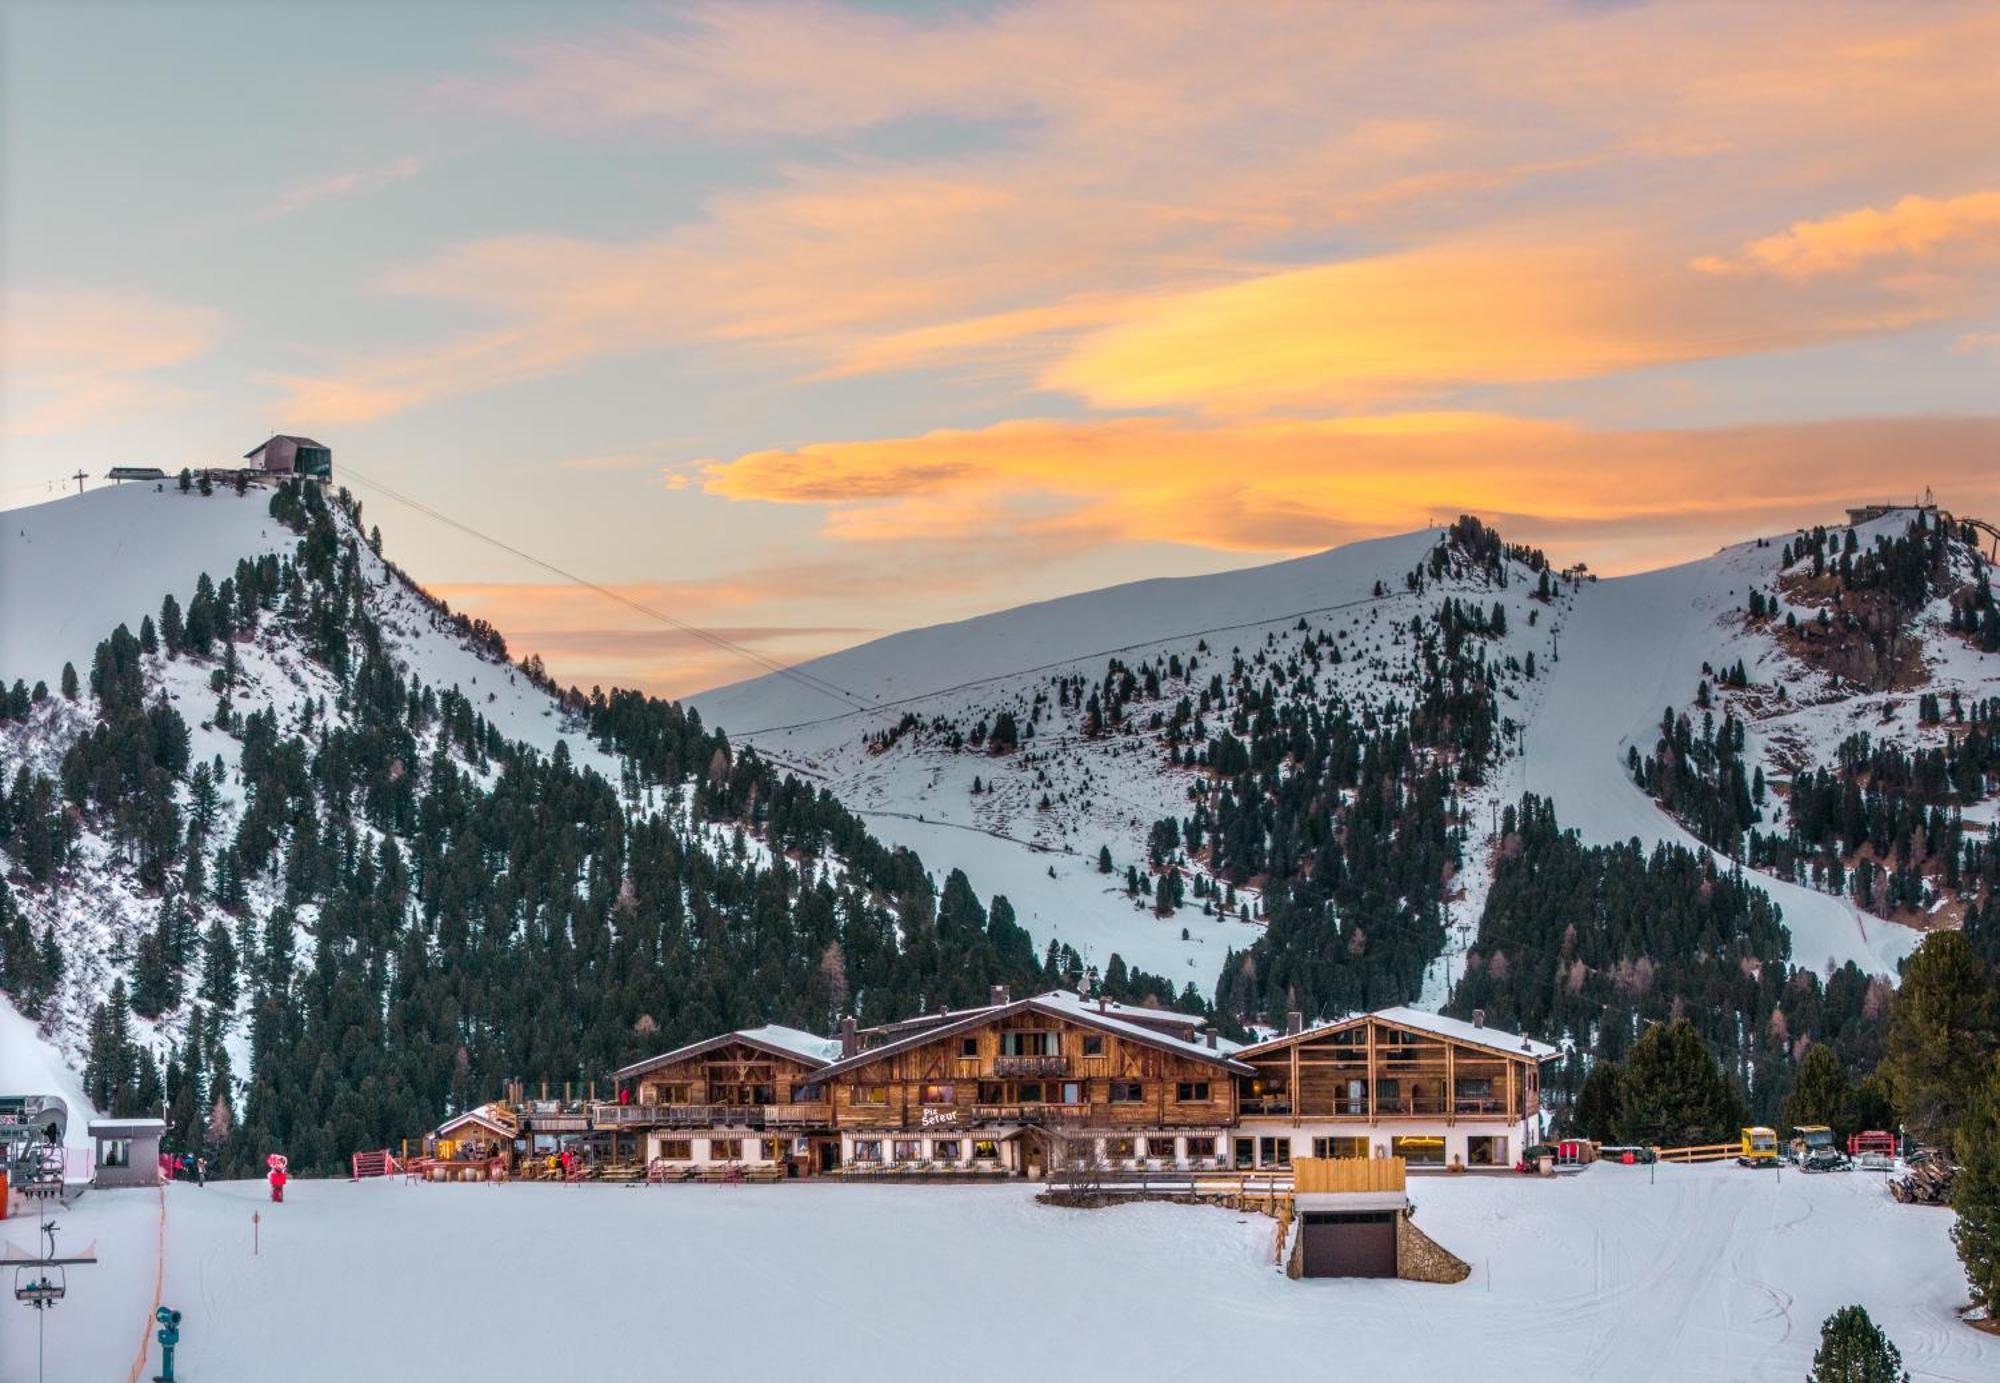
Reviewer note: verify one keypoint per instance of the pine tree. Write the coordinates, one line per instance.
(1822, 1094)
(218, 971)
(1942, 1035)
(1674, 1092)
(1976, 1192)
(69, 684)
(1853, 1349)
(1104, 859)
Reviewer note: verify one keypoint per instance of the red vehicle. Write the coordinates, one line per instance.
(1874, 1141)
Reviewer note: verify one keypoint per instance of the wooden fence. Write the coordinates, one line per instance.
(1701, 1152)
(1317, 1174)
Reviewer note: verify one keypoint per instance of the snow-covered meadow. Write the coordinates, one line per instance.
(1703, 1273)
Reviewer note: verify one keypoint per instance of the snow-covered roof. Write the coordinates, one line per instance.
(772, 1037)
(1059, 1003)
(486, 1116)
(1455, 1029)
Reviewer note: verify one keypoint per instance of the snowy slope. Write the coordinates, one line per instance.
(31, 1065)
(1628, 648)
(1692, 1273)
(73, 569)
(1635, 645)
(1105, 791)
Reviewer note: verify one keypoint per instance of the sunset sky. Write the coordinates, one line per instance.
(811, 322)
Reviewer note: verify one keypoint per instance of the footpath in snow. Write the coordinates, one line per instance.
(1706, 1273)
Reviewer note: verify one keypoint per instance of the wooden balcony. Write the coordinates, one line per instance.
(811, 1114)
(682, 1116)
(1030, 1065)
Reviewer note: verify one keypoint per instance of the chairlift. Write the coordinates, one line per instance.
(44, 1291)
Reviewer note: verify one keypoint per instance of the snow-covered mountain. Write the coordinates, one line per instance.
(890, 725)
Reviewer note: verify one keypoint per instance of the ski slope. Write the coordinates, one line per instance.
(74, 569)
(1707, 1273)
(1632, 646)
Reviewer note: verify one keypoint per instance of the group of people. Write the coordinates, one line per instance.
(189, 1167)
(566, 1163)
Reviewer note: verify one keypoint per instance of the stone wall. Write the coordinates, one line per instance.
(1420, 1258)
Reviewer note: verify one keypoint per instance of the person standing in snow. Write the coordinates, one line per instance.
(201, 1171)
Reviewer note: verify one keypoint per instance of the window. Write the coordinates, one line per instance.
(1028, 1092)
(1201, 1146)
(992, 1092)
(869, 1094)
(774, 1149)
(725, 1149)
(1274, 1152)
(1093, 1044)
(906, 1150)
(1245, 1152)
(1128, 1092)
(1421, 1149)
(675, 1092)
(1340, 1147)
(946, 1150)
(867, 1150)
(940, 1094)
(985, 1150)
(1160, 1145)
(676, 1150)
(1120, 1147)
(1483, 1150)
(1070, 1092)
(1030, 1044)
(968, 1047)
(809, 1094)
(1192, 1092)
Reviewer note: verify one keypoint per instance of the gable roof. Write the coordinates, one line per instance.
(1495, 1040)
(773, 1038)
(284, 437)
(1059, 1003)
(486, 1116)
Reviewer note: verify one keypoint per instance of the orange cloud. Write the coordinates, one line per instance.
(1915, 228)
(1291, 485)
(1131, 166)
(1370, 331)
(77, 356)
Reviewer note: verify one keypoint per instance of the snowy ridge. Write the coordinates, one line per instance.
(1613, 654)
(164, 541)
(1034, 827)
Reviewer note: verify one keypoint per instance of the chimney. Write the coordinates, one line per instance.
(1295, 1023)
(1479, 1018)
(997, 995)
(850, 1039)
(1211, 1039)
(1100, 1003)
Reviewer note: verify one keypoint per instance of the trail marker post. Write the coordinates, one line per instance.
(256, 1248)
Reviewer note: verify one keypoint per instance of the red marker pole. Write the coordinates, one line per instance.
(256, 1248)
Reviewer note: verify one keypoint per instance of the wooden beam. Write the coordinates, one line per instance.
(1371, 1071)
(1293, 1086)
(1450, 1083)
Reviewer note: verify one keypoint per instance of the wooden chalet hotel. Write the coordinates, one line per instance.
(1026, 1087)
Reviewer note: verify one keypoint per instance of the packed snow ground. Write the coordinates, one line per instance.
(1712, 1273)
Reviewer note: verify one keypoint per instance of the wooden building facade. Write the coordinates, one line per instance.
(752, 1098)
(1398, 1082)
(1030, 1086)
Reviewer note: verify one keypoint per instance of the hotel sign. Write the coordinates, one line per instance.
(940, 1118)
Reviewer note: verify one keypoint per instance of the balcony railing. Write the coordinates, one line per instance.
(1030, 1066)
(680, 1115)
(793, 1115)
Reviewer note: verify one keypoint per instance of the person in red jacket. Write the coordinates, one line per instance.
(277, 1177)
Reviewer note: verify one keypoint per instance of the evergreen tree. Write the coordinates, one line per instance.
(1599, 1108)
(1822, 1094)
(1976, 1192)
(1853, 1349)
(69, 684)
(1673, 1092)
(1942, 1035)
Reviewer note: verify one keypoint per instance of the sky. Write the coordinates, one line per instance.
(806, 323)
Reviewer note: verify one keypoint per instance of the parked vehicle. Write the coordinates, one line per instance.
(1629, 1156)
(1874, 1150)
(1759, 1148)
(1812, 1149)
